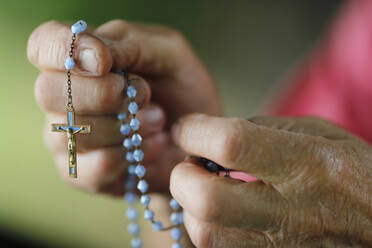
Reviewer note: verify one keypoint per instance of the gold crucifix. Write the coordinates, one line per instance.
(70, 129)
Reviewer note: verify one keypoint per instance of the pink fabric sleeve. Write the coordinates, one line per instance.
(335, 81)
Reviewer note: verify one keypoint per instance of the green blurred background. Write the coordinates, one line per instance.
(247, 45)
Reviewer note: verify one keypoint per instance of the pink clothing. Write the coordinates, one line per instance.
(335, 82)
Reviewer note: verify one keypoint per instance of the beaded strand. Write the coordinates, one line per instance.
(134, 156)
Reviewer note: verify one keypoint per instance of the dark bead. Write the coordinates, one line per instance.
(211, 166)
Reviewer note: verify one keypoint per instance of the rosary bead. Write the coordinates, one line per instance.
(142, 186)
(140, 170)
(129, 157)
(125, 129)
(145, 200)
(211, 166)
(133, 108)
(132, 213)
(148, 214)
(177, 245)
(138, 155)
(135, 124)
(136, 139)
(130, 197)
(136, 243)
(133, 228)
(176, 218)
(157, 226)
(69, 63)
(132, 169)
(78, 27)
(130, 183)
(131, 92)
(174, 204)
(122, 116)
(127, 143)
(176, 233)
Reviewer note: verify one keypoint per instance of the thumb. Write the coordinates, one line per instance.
(49, 44)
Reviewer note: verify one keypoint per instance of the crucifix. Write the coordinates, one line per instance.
(71, 130)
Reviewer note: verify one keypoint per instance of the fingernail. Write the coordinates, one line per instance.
(88, 60)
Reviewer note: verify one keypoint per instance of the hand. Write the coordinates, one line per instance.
(314, 187)
(160, 63)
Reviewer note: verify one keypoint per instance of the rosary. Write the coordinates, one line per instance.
(132, 143)
(134, 155)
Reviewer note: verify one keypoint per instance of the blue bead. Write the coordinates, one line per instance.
(140, 170)
(133, 108)
(130, 197)
(157, 226)
(176, 218)
(125, 129)
(176, 245)
(72, 170)
(78, 27)
(122, 116)
(174, 204)
(145, 200)
(132, 213)
(133, 228)
(130, 183)
(138, 155)
(135, 124)
(136, 243)
(129, 157)
(132, 169)
(176, 233)
(142, 186)
(69, 63)
(180, 216)
(127, 143)
(136, 139)
(148, 214)
(131, 92)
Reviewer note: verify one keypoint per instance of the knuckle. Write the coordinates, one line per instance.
(208, 206)
(108, 97)
(119, 23)
(230, 141)
(42, 92)
(33, 50)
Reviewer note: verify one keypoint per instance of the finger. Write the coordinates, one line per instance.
(105, 130)
(141, 49)
(225, 201)
(104, 170)
(265, 153)
(49, 44)
(306, 125)
(204, 234)
(91, 95)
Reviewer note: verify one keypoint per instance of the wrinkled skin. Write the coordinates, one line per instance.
(162, 68)
(314, 187)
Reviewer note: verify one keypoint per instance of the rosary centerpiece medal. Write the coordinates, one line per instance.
(70, 128)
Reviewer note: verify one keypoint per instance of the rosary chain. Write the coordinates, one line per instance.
(69, 91)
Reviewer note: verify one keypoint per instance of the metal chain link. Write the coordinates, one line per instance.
(69, 91)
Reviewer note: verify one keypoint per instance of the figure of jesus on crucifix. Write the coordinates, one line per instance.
(71, 130)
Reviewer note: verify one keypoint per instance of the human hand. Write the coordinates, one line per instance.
(160, 63)
(314, 186)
